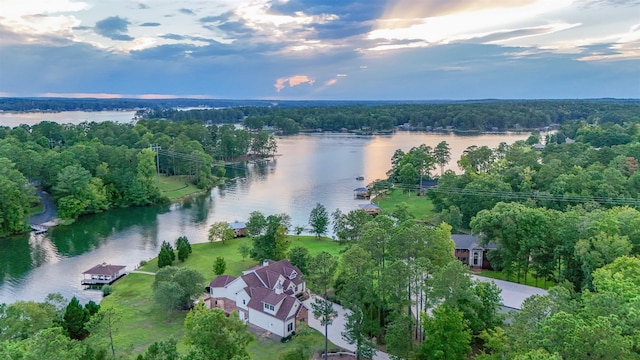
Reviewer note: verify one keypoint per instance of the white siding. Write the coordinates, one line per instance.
(230, 290)
(242, 299)
(267, 322)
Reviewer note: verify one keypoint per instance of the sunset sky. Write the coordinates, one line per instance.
(321, 49)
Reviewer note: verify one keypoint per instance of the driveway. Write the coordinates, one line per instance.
(513, 294)
(336, 328)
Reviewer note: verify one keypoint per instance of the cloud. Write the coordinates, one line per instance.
(187, 11)
(292, 81)
(510, 34)
(150, 24)
(172, 36)
(221, 18)
(114, 28)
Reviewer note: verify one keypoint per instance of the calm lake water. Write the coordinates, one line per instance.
(309, 169)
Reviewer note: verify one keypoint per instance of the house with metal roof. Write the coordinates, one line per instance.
(265, 296)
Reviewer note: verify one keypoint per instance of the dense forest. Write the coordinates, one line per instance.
(92, 167)
(566, 212)
(468, 116)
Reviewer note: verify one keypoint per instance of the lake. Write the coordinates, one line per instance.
(310, 168)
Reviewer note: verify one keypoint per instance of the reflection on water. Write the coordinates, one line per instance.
(309, 169)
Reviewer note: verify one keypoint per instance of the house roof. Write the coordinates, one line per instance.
(469, 242)
(252, 280)
(273, 298)
(369, 206)
(262, 295)
(221, 281)
(237, 225)
(104, 269)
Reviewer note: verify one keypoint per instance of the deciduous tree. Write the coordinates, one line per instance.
(174, 288)
(211, 333)
(319, 220)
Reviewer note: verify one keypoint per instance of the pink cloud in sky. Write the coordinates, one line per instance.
(296, 80)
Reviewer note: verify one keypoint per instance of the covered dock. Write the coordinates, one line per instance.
(103, 274)
(371, 209)
(361, 193)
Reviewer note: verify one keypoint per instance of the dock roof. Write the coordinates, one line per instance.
(104, 269)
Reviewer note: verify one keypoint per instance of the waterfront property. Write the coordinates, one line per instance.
(265, 296)
(470, 252)
(103, 274)
(238, 227)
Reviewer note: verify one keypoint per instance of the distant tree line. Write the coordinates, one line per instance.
(460, 116)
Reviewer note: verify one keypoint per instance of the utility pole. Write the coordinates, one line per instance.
(156, 148)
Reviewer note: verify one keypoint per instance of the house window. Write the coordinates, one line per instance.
(290, 327)
(269, 307)
(244, 301)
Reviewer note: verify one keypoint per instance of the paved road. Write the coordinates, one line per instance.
(336, 328)
(49, 210)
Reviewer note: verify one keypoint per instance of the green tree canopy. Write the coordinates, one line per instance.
(212, 335)
(175, 288)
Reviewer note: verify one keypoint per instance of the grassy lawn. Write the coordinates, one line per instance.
(420, 206)
(530, 280)
(144, 322)
(176, 187)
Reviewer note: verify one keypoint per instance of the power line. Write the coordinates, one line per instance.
(541, 196)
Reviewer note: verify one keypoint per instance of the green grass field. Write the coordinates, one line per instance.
(530, 280)
(145, 322)
(177, 187)
(420, 206)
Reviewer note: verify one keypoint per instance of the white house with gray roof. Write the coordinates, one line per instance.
(264, 296)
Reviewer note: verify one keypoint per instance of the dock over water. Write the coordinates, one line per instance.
(103, 274)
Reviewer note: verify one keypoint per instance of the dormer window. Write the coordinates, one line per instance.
(269, 307)
(293, 275)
